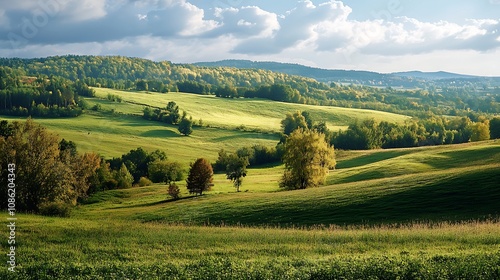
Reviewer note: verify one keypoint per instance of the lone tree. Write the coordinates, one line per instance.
(307, 159)
(186, 126)
(200, 176)
(236, 169)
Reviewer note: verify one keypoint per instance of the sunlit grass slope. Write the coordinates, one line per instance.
(252, 113)
(112, 135)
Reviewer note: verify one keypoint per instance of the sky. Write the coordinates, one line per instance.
(461, 36)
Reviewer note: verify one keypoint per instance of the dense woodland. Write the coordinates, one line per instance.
(140, 74)
(52, 96)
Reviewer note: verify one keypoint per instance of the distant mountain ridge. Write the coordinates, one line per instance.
(440, 75)
(398, 79)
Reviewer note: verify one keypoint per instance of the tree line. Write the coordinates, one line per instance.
(370, 134)
(171, 115)
(140, 74)
(42, 96)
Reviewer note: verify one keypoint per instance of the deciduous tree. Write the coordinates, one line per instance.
(307, 159)
(186, 126)
(200, 176)
(236, 170)
(293, 122)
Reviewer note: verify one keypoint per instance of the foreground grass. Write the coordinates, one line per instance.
(58, 248)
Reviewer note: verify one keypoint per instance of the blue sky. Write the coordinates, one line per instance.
(379, 35)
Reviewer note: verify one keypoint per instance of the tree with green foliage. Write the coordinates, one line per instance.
(186, 126)
(123, 177)
(174, 115)
(308, 158)
(6, 128)
(43, 173)
(222, 161)
(480, 131)
(141, 85)
(495, 128)
(137, 162)
(236, 170)
(200, 176)
(293, 121)
(165, 171)
(69, 146)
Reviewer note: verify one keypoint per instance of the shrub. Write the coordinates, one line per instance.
(143, 181)
(55, 209)
(174, 191)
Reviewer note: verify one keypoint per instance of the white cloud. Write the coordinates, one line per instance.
(82, 10)
(178, 30)
(245, 22)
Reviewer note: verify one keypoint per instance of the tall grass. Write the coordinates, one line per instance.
(59, 248)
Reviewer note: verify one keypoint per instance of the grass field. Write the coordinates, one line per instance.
(436, 184)
(113, 135)
(52, 248)
(258, 114)
(421, 213)
(438, 223)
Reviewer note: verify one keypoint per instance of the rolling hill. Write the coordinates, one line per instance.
(227, 123)
(425, 213)
(445, 183)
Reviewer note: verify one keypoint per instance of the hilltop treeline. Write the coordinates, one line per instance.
(141, 74)
(44, 96)
(370, 134)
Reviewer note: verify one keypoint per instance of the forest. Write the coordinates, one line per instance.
(22, 95)
(140, 74)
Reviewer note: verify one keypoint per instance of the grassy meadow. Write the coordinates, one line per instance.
(420, 213)
(262, 115)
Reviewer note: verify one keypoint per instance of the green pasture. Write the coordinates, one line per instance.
(419, 213)
(436, 184)
(112, 135)
(264, 115)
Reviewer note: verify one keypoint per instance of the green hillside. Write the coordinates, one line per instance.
(419, 213)
(113, 134)
(443, 183)
(415, 223)
(254, 114)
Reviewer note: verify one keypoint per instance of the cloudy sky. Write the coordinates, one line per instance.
(378, 35)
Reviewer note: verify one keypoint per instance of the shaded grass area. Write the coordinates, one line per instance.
(439, 196)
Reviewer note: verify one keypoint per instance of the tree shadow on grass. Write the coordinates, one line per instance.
(161, 133)
(452, 159)
(466, 196)
(371, 158)
(171, 200)
(247, 135)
